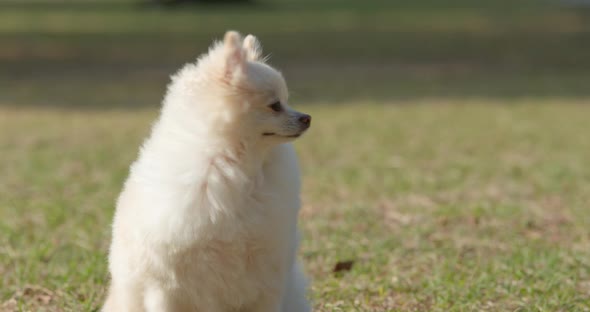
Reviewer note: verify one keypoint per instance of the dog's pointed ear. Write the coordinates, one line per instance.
(235, 56)
(253, 48)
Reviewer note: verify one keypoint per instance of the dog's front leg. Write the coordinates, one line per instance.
(126, 298)
(160, 299)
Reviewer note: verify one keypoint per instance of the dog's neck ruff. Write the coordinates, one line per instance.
(218, 179)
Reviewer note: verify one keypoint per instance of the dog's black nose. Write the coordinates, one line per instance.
(305, 119)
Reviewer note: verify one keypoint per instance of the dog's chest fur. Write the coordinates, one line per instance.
(241, 256)
(234, 272)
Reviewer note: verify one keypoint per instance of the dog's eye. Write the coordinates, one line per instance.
(276, 106)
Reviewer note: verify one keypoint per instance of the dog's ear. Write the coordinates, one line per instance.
(253, 48)
(235, 56)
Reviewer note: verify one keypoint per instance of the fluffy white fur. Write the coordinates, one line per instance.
(207, 220)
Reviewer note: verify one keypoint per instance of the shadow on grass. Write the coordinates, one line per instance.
(107, 87)
(109, 72)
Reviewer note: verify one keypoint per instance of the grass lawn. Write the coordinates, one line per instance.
(458, 206)
(448, 157)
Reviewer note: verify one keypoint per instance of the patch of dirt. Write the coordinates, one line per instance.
(36, 296)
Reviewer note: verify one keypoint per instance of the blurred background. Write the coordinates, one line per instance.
(446, 168)
(57, 52)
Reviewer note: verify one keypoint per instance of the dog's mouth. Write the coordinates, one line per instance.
(281, 135)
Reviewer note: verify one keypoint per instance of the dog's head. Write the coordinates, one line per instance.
(250, 96)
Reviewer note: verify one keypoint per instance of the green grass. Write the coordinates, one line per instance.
(443, 206)
(448, 155)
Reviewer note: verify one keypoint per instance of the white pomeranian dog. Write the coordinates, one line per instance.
(207, 220)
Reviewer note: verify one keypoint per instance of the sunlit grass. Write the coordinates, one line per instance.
(442, 206)
(448, 156)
